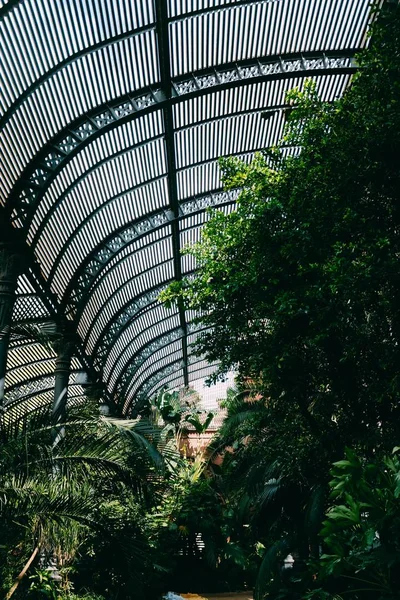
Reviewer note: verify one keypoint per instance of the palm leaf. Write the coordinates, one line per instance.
(269, 563)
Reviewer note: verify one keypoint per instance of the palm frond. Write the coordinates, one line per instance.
(269, 564)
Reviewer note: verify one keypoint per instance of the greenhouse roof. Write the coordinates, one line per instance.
(113, 114)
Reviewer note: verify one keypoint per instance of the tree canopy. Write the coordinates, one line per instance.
(300, 284)
(298, 291)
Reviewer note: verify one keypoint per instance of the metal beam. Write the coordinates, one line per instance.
(83, 176)
(12, 109)
(127, 377)
(111, 157)
(105, 252)
(64, 347)
(166, 84)
(10, 267)
(52, 158)
(43, 290)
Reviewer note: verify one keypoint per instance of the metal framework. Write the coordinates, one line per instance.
(112, 118)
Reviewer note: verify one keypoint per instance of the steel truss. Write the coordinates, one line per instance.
(135, 375)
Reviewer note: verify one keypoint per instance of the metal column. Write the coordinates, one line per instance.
(9, 270)
(64, 347)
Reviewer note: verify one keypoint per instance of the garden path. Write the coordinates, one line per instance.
(228, 596)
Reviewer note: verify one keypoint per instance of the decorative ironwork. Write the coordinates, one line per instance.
(133, 231)
(119, 323)
(74, 138)
(29, 388)
(267, 67)
(29, 307)
(140, 358)
(217, 198)
(112, 114)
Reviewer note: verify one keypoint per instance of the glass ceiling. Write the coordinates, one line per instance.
(112, 116)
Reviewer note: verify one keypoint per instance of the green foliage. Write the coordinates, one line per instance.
(42, 586)
(53, 495)
(298, 285)
(361, 532)
(298, 291)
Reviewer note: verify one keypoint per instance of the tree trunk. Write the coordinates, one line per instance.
(22, 574)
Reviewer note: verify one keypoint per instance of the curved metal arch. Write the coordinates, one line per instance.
(102, 348)
(152, 390)
(54, 155)
(84, 175)
(111, 246)
(48, 162)
(124, 318)
(192, 327)
(127, 376)
(141, 227)
(115, 197)
(170, 359)
(11, 110)
(115, 242)
(153, 379)
(118, 356)
(131, 360)
(34, 380)
(80, 309)
(195, 205)
(129, 324)
(32, 384)
(211, 200)
(160, 342)
(95, 262)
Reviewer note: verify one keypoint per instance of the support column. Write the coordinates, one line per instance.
(9, 271)
(64, 347)
(96, 391)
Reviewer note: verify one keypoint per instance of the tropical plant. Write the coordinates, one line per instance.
(361, 532)
(298, 291)
(50, 493)
(42, 585)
